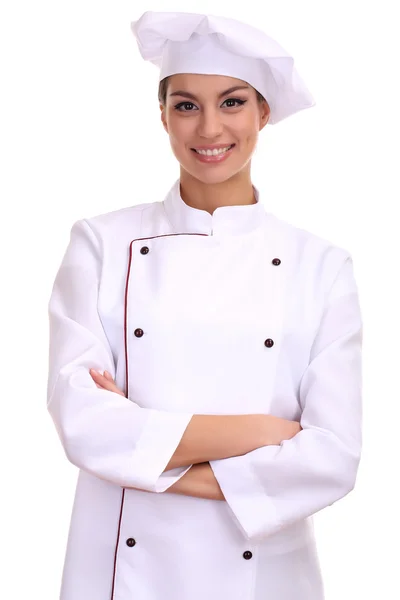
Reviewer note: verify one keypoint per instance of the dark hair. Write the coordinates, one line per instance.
(163, 86)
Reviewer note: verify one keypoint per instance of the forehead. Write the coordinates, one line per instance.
(202, 82)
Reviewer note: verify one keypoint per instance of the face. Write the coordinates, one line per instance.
(204, 111)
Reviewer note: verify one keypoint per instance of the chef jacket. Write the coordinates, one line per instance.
(234, 312)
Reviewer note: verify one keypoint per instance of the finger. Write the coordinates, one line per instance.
(95, 374)
(98, 378)
(106, 384)
(105, 374)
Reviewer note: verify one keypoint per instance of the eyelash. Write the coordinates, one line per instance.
(240, 102)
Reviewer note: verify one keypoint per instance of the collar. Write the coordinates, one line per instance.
(225, 221)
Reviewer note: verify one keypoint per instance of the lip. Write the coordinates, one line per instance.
(214, 147)
(214, 159)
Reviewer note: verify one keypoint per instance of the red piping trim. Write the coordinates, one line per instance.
(117, 543)
(126, 295)
(126, 378)
(126, 320)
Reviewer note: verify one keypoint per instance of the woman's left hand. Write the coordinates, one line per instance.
(105, 382)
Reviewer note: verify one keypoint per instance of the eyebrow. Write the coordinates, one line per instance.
(193, 97)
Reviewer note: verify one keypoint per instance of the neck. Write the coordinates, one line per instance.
(237, 190)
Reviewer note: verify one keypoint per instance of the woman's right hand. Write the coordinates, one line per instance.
(105, 381)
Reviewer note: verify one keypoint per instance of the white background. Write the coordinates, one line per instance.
(80, 134)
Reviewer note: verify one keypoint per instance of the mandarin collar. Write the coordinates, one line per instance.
(225, 221)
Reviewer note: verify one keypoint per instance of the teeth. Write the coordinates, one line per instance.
(214, 152)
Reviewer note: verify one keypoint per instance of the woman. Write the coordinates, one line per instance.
(205, 356)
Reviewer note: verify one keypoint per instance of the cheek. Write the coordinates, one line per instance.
(180, 135)
(246, 128)
(179, 128)
(249, 137)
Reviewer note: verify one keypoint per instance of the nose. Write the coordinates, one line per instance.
(209, 124)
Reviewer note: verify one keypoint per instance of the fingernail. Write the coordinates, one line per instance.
(95, 372)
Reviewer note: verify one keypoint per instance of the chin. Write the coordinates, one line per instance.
(211, 178)
(211, 174)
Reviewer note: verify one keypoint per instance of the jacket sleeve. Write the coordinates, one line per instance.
(102, 432)
(274, 486)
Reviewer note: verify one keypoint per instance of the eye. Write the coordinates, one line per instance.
(240, 102)
(179, 106)
(236, 101)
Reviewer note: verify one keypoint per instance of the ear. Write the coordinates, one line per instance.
(264, 114)
(163, 118)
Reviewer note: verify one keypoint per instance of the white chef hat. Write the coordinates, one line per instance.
(179, 42)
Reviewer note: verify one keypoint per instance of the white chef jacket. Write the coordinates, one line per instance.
(236, 312)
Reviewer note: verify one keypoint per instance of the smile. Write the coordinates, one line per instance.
(214, 152)
(213, 156)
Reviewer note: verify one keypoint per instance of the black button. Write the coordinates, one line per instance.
(247, 555)
(144, 250)
(276, 261)
(269, 343)
(130, 542)
(138, 332)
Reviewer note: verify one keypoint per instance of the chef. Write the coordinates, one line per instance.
(205, 355)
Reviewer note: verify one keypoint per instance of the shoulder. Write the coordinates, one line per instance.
(115, 217)
(307, 243)
(316, 261)
(121, 223)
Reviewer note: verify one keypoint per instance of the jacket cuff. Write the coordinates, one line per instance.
(161, 436)
(254, 511)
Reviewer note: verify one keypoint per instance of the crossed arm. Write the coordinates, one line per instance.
(269, 479)
(199, 480)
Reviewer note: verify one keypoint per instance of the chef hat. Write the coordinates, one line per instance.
(179, 42)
